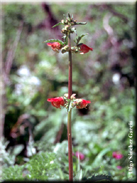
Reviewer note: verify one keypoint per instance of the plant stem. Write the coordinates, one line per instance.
(69, 113)
(70, 69)
(70, 147)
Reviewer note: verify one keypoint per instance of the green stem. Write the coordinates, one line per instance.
(69, 113)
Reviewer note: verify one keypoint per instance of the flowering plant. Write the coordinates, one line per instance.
(69, 101)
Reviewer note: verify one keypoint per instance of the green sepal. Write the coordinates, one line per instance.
(65, 40)
(69, 107)
(69, 17)
(57, 24)
(81, 23)
(55, 40)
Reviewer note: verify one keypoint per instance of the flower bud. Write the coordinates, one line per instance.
(74, 49)
(72, 30)
(67, 27)
(73, 96)
(66, 95)
(64, 31)
(66, 22)
(65, 49)
(62, 21)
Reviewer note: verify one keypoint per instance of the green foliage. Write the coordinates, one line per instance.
(13, 173)
(40, 167)
(99, 157)
(8, 157)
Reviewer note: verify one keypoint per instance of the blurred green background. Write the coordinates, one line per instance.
(33, 72)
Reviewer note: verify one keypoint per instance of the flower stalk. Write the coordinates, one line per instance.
(69, 100)
(70, 147)
(69, 113)
(70, 69)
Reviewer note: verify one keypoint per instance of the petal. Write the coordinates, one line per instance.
(82, 104)
(57, 101)
(49, 44)
(49, 100)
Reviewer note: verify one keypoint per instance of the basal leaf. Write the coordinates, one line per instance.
(99, 178)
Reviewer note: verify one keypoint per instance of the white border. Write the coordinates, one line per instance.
(67, 1)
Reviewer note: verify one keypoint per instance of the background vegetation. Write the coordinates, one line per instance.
(35, 134)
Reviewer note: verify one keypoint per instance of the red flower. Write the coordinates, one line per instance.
(81, 103)
(56, 102)
(55, 46)
(117, 155)
(84, 48)
(80, 155)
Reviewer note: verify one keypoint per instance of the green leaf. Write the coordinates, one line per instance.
(100, 155)
(55, 40)
(79, 38)
(78, 175)
(57, 24)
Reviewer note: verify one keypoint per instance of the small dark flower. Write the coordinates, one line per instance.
(117, 155)
(80, 155)
(119, 167)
